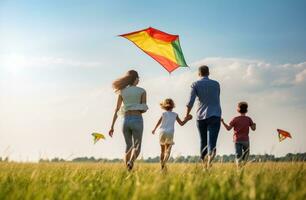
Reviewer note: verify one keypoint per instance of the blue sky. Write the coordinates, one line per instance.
(55, 50)
(270, 30)
(273, 31)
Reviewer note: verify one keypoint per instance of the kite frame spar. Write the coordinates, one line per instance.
(172, 40)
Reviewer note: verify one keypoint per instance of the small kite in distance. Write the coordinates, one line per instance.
(97, 137)
(283, 135)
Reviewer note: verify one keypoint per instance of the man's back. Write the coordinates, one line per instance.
(208, 93)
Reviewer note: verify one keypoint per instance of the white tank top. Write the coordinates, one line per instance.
(168, 121)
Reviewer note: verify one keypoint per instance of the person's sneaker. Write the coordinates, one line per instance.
(130, 165)
(162, 164)
(204, 162)
(164, 169)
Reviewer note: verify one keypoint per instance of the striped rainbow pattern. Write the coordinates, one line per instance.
(162, 47)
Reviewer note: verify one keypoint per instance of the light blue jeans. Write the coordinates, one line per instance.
(132, 130)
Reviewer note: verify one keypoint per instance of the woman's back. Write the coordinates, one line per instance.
(131, 97)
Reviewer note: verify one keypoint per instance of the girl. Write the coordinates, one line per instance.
(166, 129)
(134, 101)
(241, 126)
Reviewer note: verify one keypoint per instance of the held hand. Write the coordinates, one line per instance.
(111, 132)
(188, 117)
(153, 132)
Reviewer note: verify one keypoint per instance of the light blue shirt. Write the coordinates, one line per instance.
(208, 93)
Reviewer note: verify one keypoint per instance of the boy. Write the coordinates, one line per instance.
(241, 126)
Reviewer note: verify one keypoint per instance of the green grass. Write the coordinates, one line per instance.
(182, 181)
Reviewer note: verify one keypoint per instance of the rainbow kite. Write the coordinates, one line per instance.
(283, 135)
(97, 137)
(162, 47)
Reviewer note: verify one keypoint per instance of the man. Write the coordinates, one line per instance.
(208, 114)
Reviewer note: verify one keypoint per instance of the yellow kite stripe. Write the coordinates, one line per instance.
(148, 44)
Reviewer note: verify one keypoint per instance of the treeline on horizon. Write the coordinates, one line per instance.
(290, 157)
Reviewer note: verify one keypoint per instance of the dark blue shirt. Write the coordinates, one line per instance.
(208, 93)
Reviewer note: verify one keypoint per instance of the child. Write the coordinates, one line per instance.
(166, 129)
(241, 126)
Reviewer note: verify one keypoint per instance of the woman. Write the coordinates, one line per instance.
(134, 104)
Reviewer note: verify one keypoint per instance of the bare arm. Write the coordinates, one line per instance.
(228, 127)
(193, 95)
(115, 116)
(157, 125)
(253, 126)
(182, 123)
(143, 100)
(188, 110)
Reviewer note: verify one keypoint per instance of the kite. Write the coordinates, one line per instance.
(283, 135)
(162, 47)
(97, 137)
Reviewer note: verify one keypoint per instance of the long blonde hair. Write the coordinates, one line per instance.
(127, 80)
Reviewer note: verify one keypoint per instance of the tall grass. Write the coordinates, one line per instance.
(181, 181)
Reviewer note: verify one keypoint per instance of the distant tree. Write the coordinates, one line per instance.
(188, 159)
(57, 160)
(41, 160)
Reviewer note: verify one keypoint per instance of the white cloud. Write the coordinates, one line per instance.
(256, 74)
(275, 94)
(300, 77)
(14, 61)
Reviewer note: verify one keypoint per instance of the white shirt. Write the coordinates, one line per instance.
(131, 97)
(168, 121)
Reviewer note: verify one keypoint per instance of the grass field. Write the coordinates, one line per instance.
(181, 181)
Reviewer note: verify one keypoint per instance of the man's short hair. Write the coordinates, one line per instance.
(204, 70)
